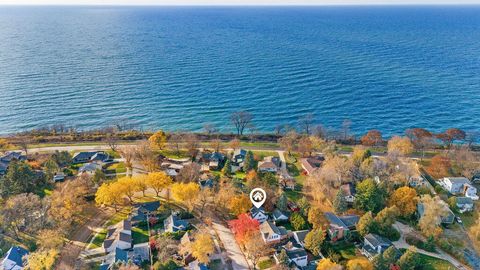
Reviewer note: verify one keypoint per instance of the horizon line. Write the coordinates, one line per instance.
(245, 5)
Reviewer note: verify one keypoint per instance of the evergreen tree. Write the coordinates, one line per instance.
(408, 261)
(249, 163)
(298, 222)
(366, 224)
(391, 255)
(283, 257)
(379, 262)
(20, 178)
(370, 197)
(340, 203)
(304, 205)
(227, 168)
(314, 240)
(282, 202)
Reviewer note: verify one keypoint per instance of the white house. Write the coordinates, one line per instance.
(299, 237)
(14, 259)
(454, 185)
(174, 224)
(119, 236)
(258, 214)
(298, 256)
(374, 244)
(269, 164)
(471, 192)
(464, 204)
(349, 191)
(279, 216)
(271, 233)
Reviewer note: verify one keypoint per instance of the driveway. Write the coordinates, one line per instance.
(402, 243)
(233, 250)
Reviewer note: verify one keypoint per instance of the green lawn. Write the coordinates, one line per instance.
(430, 263)
(216, 265)
(261, 154)
(119, 216)
(98, 240)
(266, 264)
(240, 175)
(139, 235)
(173, 154)
(116, 168)
(293, 195)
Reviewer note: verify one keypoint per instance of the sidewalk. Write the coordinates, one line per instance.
(233, 250)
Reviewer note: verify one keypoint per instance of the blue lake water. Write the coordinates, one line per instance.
(388, 68)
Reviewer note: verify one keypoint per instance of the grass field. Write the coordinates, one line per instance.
(430, 263)
(98, 240)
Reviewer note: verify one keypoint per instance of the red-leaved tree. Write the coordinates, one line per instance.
(243, 226)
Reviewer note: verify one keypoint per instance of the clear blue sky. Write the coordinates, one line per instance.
(234, 2)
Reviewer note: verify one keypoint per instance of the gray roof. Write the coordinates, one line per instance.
(464, 200)
(254, 211)
(458, 180)
(348, 189)
(148, 206)
(268, 228)
(377, 240)
(300, 235)
(449, 218)
(83, 155)
(296, 253)
(277, 214)
(125, 237)
(350, 220)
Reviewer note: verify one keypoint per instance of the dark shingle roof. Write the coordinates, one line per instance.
(350, 221)
(125, 237)
(121, 255)
(296, 253)
(16, 254)
(148, 206)
(377, 240)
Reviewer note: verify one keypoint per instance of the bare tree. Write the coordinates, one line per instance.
(23, 142)
(255, 248)
(112, 141)
(216, 144)
(192, 144)
(305, 122)
(210, 128)
(129, 154)
(175, 141)
(189, 173)
(146, 157)
(241, 120)
(346, 124)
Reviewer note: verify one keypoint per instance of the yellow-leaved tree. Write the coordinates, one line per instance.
(327, 264)
(202, 247)
(359, 264)
(158, 140)
(239, 204)
(405, 198)
(158, 181)
(109, 194)
(186, 193)
(402, 145)
(42, 259)
(128, 186)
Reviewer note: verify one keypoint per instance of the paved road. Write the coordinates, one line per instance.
(233, 250)
(78, 241)
(402, 243)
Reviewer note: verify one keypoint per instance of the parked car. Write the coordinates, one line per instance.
(459, 220)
